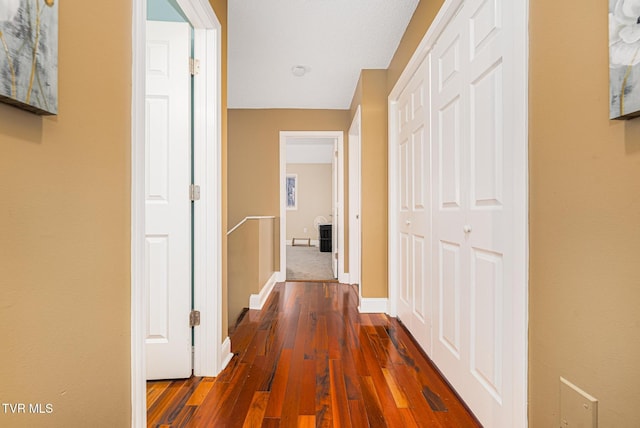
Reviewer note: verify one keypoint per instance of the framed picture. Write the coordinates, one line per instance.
(292, 191)
(29, 54)
(624, 59)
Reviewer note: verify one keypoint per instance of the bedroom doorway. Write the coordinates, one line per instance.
(311, 231)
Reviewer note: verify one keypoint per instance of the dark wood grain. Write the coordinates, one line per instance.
(309, 359)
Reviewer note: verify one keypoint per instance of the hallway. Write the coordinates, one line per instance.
(309, 359)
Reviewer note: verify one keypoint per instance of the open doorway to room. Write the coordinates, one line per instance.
(311, 206)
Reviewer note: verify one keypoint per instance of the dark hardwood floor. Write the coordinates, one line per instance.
(309, 359)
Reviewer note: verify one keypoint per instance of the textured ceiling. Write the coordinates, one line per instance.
(332, 39)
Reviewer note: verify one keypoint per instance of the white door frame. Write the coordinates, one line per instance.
(519, 303)
(211, 353)
(284, 136)
(355, 206)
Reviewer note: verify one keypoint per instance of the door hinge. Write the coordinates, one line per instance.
(194, 66)
(194, 318)
(194, 192)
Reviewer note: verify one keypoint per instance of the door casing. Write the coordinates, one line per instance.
(339, 137)
(355, 216)
(211, 352)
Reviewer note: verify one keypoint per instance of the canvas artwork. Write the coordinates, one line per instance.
(624, 58)
(29, 54)
(292, 191)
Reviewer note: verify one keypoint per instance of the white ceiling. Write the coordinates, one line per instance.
(333, 39)
(310, 150)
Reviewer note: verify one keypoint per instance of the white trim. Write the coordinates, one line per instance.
(138, 309)
(284, 135)
(312, 242)
(209, 357)
(256, 301)
(355, 199)
(225, 352)
(207, 167)
(373, 305)
(340, 201)
(344, 278)
(520, 48)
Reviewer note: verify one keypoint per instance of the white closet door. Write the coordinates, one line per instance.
(414, 219)
(473, 210)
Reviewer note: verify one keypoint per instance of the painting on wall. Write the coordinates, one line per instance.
(624, 59)
(292, 191)
(29, 54)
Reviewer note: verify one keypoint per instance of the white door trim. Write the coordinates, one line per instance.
(211, 353)
(520, 279)
(355, 166)
(284, 135)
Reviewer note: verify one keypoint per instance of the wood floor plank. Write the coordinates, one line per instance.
(255, 414)
(278, 388)
(200, 392)
(339, 402)
(396, 391)
(310, 359)
(306, 421)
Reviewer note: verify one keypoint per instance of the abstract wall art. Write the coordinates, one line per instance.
(292, 191)
(29, 54)
(624, 59)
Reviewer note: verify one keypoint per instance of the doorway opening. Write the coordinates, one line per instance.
(210, 352)
(311, 205)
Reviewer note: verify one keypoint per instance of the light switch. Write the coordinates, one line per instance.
(578, 409)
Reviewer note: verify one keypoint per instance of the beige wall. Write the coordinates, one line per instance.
(371, 95)
(584, 221)
(65, 232)
(254, 156)
(314, 199)
(251, 262)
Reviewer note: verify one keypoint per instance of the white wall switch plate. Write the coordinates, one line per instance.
(578, 409)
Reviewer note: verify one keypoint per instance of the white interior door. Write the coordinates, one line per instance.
(167, 203)
(473, 218)
(354, 199)
(414, 217)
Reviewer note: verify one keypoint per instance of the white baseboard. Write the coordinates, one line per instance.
(225, 354)
(374, 305)
(256, 301)
(314, 242)
(343, 278)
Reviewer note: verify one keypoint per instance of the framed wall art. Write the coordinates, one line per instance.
(624, 59)
(292, 191)
(29, 54)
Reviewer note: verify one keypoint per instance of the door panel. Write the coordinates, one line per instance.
(167, 205)
(473, 220)
(414, 202)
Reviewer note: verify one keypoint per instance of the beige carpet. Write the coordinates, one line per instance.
(308, 263)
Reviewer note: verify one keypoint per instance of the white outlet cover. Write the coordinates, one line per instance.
(578, 409)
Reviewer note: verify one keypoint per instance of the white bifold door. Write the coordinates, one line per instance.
(167, 203)
(460, 218)
(413, 201)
